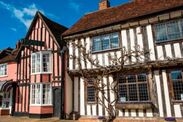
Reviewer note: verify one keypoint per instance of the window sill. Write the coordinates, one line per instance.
(4, 108)
(169, 41)
(39, 105)
(41, 73)
(103, 51)
(2, 76)
(135, 105)
(177, 101)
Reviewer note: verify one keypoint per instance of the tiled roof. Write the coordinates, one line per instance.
(10, 57)
(121, 13)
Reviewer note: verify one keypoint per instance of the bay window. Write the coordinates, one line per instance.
(105, 42)
(41, 94)
(40, 62)
(3, 69)
(168, 31)
(133, 88)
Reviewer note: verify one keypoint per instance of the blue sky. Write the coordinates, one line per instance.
(16, 15)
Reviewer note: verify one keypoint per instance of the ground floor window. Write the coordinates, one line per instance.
(90, 91)
(41, 94)
(4, 99)
(133, 88)
(177, 81)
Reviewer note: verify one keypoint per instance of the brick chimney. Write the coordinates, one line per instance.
(104, 4)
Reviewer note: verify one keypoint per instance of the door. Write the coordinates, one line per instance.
(56, 102)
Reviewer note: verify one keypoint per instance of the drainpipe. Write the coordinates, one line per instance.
(62, 52)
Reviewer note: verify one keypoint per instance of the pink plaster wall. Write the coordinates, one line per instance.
(11, 72)
(41, 109)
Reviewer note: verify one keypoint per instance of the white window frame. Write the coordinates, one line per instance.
(110, 35)
(179, 21)
(40, 95)
(41, 53)
(6, 66)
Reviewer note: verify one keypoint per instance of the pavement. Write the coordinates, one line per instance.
(26, 119)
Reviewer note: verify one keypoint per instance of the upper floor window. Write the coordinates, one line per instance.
(3, 69)
(133, 88)
(105, 42)
(167, 31)
(41, 94)
(41, 62)
(177, 81)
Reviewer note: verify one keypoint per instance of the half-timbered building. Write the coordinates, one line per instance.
(40, 71)
(151, 87)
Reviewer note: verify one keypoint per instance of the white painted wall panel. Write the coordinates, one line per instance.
(159, 93)
(149, 113)
(166, 94)
(126, 113)
(120, 113)
(133, 113)
(106, 59)
(88, 108)
(150, 42)
(177, 50)
(168, 50)
(94, 107)
(71, 54)
(81, 55)
(140, 42)
(124, 42)
(160, 52)
(77, 55)
(132, 42)
(177, 111)
(100, 59)
(105, 93)
(87, 42)
(82, 100)
(141, 113)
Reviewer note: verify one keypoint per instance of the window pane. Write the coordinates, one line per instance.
(143, 93)
(105, 42)
(123, 93)
(131, 78)
(46, 94)
(91, 94)
(173, 30)
(97, 45)
(161, 32)
(3, 69)
(38, 94)
(33, 64)
(142, 78)
(46, 62)
(133, 92)
(176, 75)
(38, 61)
(122, 79)
(114, 40)
(178, 90)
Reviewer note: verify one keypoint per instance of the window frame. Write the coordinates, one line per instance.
(41, 95)
(5, 74)
(171, 84)
(110, 44)
(41, 53)
(87, 84)
(137, 87)
(166, 25)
